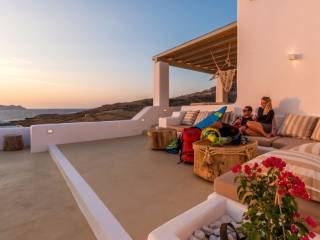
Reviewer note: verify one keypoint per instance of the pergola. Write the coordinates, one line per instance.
(196, 55)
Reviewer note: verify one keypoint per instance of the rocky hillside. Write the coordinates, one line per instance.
(120, 111)
(11, 107)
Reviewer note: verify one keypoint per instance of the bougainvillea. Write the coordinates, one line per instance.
(269, 191)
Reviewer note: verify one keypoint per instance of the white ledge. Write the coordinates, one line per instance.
(103, 224)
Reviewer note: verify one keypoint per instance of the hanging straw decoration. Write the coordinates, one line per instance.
(225, 76)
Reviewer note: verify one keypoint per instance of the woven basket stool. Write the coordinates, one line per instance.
(13, 143)
(159, 138)
(212, 161)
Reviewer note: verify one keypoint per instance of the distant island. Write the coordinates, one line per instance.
(11, 107)
(121, 111)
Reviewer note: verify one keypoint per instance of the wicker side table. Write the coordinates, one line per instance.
(159, 138)
(13, 143)
(212, 161)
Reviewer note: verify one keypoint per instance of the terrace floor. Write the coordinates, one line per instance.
(35, 202)
(141, 187)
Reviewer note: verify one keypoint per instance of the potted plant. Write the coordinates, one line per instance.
(269, 191)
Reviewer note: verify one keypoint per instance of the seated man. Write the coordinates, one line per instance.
(241, 122)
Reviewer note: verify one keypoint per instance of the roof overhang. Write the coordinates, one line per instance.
(195, 54)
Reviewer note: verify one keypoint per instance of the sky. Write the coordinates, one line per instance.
(86, 53)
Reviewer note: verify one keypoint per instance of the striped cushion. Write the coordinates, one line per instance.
(305, 166)
(201, 116)
(227, 117)
(189, 118)
(297, 126)
(310, 148)
(316, 132)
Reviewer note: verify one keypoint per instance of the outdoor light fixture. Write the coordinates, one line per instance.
(294, 56)
(50, 131)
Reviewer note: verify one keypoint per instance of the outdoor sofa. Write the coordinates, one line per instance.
(293, 131)
(265, 144)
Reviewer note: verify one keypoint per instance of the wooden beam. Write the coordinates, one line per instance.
(209, 57)
(190, 67)
(217, 52)
(191, 52)
(226, 30)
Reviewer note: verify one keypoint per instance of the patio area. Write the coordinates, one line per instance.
(35, 202)
(141, 187)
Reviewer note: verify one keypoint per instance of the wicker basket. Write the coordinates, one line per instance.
(159, 138)
(212, 161)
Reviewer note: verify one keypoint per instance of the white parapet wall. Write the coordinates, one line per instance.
(47, 134)
(24, 131)
(103, 224)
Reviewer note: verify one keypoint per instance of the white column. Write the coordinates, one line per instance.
(161, 84)
(221, 95)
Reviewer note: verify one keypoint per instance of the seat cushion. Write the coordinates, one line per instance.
(263, 141)
(227, 117)
(189, 118)
(316, 132)
(201, 116)
(289, 142)
(225, 186)
(310, 148)
(179, 128)
(297, 126)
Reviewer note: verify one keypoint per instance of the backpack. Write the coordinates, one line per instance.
(189, 136)
(175, 146)
(231, 135)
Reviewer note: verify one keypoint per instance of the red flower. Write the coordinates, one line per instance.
(293, 185)
(294, 229)
(311, 222)
(236, 168)
(297, 215)
(247, 169)
(304, 238)
(274, 162)
(312, 234)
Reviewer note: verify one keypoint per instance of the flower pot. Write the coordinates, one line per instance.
(182, 226)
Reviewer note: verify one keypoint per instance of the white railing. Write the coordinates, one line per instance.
(103, 224)
(44, 135)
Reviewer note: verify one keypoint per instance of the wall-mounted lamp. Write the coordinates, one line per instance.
(295, 56)
(50, 131)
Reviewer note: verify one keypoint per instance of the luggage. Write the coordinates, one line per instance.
(175, 146)
(230, 135)
(189, 136)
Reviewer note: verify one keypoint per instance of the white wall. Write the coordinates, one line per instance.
(267, 31)
(89, 131)
(24, 131)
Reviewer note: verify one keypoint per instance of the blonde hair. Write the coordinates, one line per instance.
(268, 106)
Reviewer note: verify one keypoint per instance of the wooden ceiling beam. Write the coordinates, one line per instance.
(189, 66)
(218, 51)
(216, 56)
(192, 51)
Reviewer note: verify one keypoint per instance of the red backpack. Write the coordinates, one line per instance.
(189, 136)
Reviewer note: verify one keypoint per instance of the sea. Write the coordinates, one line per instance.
(10, 115)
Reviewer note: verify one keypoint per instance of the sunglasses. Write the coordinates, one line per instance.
(245, 110)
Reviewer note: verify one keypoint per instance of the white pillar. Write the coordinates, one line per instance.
(221, 95)
(161, 84)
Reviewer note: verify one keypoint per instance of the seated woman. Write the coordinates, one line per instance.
(262, 124)
(241, 122)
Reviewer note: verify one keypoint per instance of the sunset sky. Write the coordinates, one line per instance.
(85, 53)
